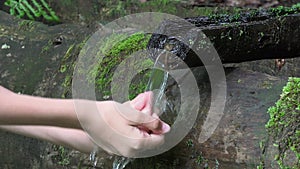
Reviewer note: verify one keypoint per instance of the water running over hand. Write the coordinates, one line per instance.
(157, 84)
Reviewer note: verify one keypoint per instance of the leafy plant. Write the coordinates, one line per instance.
(283, 126)
(190, 143)
(63, 155)
(32, 9)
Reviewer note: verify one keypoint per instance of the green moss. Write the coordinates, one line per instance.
(201, 161)
(47, 47)
(67, 66)
(283, 125)
(64, 67)
(281, 10)
(26, 25)
(190, 143)
(138, 85)
(63, 155)
(241, 15)
(114, 55)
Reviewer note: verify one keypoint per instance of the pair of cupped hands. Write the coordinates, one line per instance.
(129, 128)
(125, 129)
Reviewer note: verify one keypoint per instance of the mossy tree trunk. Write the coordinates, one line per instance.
(259, 38)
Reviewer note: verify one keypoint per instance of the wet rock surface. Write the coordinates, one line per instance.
(251, 88)
(235, 142)
(31, 55)
(242, 126)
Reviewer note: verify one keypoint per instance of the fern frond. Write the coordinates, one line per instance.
(46, 5)
(20, 11)
(26, 10)
(36, 13)
(52, 13)
(32, 9)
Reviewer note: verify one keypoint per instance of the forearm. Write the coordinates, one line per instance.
(28, 110)
(72, 138)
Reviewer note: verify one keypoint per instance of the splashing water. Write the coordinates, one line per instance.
(93, 157)
(121, 162)
(157, 84)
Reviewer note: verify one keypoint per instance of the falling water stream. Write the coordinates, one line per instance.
(164, 62)
(157, 84)
(93, 156)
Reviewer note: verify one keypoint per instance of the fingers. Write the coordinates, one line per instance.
(148, 99)
(138, 102)
(132, 115)
(156, 126)
(143, 121)
(138, 142)
(146, 131)
(143, 102)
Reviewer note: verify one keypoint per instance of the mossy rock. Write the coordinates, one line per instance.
(283, 127)
(114, 55)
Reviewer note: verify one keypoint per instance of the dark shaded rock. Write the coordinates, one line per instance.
(235, 142)
(263, 36)
(31, 55)
(32, 52)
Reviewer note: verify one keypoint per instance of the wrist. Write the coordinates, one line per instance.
(29, 110)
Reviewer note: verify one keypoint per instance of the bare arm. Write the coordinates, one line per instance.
(18, 109)
(117, 128)
(72, 138)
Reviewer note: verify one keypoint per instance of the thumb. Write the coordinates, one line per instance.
(143, 102)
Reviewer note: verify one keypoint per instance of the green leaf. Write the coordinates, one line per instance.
(32, 8)
(27, 12)
(35, 13)
(12, 11)
(20, 11)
